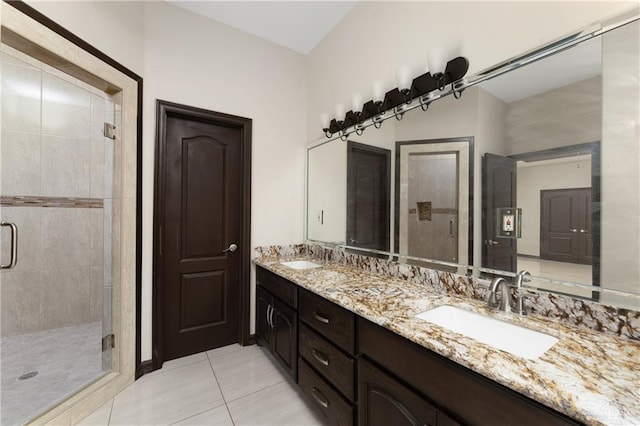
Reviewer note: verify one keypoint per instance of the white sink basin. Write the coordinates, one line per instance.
(502, 335)
(301, 264)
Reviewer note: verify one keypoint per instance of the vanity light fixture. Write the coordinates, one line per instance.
(378, 101)
(425, 101)
(403, 78)
(426, 88)
(341, 114)
(357, 105)
(437, 64)
(326, 123)
(378, 93)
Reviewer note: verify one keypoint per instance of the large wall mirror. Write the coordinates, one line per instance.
(557, 140)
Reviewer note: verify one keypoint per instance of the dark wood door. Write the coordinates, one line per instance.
(202, 219)
(565, 225)
(285, 336)
(383, 401)
(499, 179)
(368, 196)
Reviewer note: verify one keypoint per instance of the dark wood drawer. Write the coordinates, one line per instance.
(283, 289)
(336, 409)
(469, 396)
(328, 360)
(333, 322)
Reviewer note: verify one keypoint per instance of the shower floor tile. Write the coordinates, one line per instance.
(66, 360)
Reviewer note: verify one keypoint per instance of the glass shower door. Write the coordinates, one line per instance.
(57, 209)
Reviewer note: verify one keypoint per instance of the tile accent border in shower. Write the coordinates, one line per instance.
(62, 202)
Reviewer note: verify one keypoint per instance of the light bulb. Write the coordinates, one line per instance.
(357, 102)
(437, 60)
(340, 112)
(378, 91)
(324, 120)
(403, 78)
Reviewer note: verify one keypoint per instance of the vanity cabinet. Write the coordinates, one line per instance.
(277, 319)
(357, 372)
(469, 397)
(327, 363)
(385, 401)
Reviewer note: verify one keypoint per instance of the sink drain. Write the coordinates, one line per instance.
(28, 375)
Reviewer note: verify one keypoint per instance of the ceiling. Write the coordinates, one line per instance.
(298, 25)
(301, 25)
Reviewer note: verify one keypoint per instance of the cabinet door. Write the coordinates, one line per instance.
(285, 337)
(383, 401)
(264, 302)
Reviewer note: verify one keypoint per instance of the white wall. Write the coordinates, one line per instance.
(115, 28)
(568, 115)
(188, 59)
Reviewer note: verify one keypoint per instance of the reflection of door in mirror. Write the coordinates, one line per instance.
(565, 225)
(432, 204)
(433, 199)
(557, 223)
(368, 196)
(499, 183)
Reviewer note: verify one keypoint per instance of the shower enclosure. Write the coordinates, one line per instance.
(59, 198)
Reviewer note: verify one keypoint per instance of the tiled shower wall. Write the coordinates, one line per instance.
(57, 186)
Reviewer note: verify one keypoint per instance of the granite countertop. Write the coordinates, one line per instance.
(590, 376)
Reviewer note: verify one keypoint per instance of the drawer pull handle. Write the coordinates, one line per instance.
(321, 318)
(318, 396)
(320, 357)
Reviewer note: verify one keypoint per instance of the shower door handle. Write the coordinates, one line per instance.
(14, 245)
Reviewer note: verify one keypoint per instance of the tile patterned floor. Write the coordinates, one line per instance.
(66, 359)
(233, 385)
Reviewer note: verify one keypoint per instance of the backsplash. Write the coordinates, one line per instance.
(580, 313)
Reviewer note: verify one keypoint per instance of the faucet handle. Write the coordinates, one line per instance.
(493, 301)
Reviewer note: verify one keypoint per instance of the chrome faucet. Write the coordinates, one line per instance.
(522, 276)
(504, 304)
(322, 251)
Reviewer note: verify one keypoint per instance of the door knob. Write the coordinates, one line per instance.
(231, 248)
(491, 243)
(573, 230)
(582, 231)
